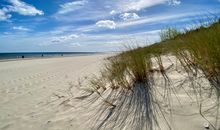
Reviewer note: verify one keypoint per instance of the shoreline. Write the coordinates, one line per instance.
(49, 57)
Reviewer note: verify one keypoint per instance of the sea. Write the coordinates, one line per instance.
(30, 55)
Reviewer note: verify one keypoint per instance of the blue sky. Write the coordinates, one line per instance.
(94, 25)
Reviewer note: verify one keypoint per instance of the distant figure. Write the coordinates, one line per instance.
(22, 57)
(42, 55)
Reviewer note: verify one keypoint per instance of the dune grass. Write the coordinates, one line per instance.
(203, 54)
(126, 91)
(198, 50)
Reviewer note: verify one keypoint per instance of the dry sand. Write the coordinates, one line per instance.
(34, 95)
(31, 92)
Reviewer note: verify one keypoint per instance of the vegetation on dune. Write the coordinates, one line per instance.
(127, 93)
(168, 34)
(203, 54)
(126, 84)
(198, 50)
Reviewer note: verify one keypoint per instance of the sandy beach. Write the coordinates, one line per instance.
(31, 91)
(34, 95)
(110, 65)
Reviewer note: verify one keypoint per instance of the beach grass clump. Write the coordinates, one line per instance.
(126, 94)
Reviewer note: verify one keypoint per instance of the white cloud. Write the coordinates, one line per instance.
(23, 8)
(154, 19)
(113, 12)
(136, 5)
(129, 16)
(3, 15)
(75, 44)
(174, 2)
(106, 24)
(71, 6)
(6, 33)
(21, 28)
(64, 38)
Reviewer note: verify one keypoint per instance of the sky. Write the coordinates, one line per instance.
(95, 25)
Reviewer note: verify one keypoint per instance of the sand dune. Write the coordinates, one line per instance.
(35, 95)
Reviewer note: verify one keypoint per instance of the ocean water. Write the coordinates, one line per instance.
(21, 55)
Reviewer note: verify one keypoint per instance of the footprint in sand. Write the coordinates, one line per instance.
(3, 83)
(36, 82)
(30, 77)
(28, 84)
(37, 75)
(10, 82)
(7, 91)
(16, 88)
(23, 86)
(24, 78)
(44, 79)
(14, 80)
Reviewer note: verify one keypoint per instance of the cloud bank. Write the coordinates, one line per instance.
(71, 6)
(20, 7)
(21, 28)
(4, 16)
